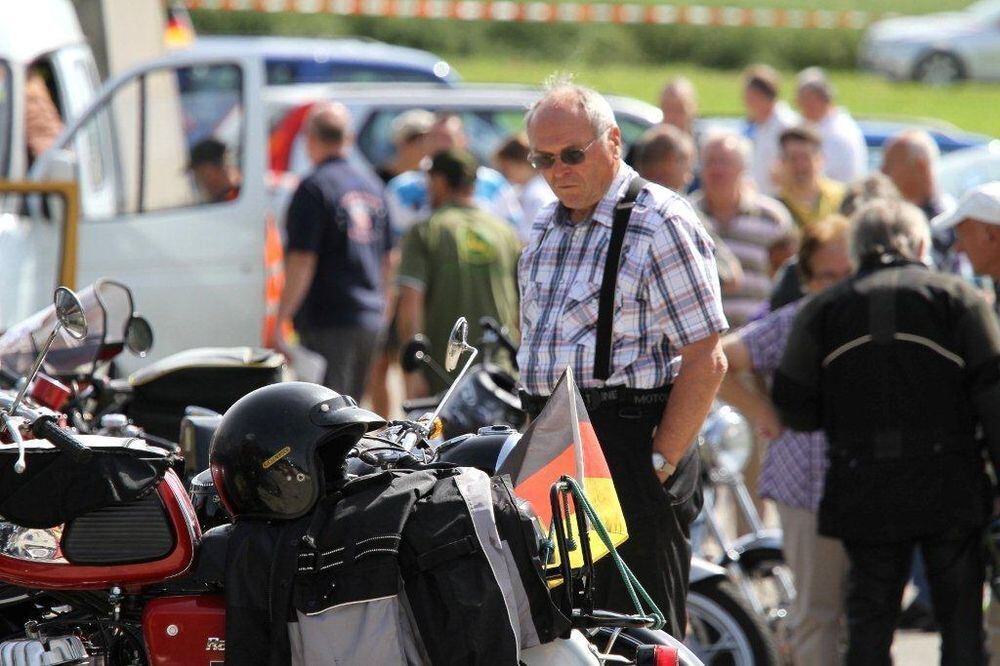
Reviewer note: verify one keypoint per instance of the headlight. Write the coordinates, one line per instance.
(726, 439)
(31, 545)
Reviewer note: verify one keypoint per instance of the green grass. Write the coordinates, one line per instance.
(971, 106)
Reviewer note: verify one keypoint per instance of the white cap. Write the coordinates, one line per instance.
(981, 203)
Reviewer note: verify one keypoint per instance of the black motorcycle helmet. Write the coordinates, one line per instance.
(277, 448)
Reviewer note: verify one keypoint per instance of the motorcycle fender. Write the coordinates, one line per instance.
(561, 652)
(769, 540)
(702, 570)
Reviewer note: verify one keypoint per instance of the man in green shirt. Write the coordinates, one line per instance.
(462, 261)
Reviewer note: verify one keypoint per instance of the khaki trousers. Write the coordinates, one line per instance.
(993, 630)
(819, 566)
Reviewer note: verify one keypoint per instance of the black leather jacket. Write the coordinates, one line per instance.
(899, 366)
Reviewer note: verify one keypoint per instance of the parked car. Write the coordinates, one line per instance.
(937, 48)
(289, 60)
(962, 170)
(490, 113)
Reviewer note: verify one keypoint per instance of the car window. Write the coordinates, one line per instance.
(162, 120)
(485, 128)
(302, 70)
(5, 118)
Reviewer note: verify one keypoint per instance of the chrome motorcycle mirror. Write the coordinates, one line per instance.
(69, 312)
(138, 336)
(69, 316)
(458, 342)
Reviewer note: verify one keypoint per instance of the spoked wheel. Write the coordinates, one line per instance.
(723, 630)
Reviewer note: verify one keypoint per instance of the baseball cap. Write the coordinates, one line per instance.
(981, 203)
(457, 165)
(207, 151)
(410, 124)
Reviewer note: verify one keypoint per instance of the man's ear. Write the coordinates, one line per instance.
(616, 138)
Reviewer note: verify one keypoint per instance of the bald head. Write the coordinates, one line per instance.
(573, 133)
(327, 130)
(569, 99)
(909, 160)
(679, 103)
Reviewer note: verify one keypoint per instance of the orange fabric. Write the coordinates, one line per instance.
(274, 283)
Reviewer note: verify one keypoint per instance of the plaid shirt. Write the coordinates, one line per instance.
(667, 292)
(795, 463)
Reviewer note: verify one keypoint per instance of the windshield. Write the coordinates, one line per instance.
(108, 306)
(5, 114)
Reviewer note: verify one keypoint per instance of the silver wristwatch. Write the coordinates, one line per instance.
(661, 464)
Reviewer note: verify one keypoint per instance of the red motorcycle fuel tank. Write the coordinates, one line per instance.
(185, 631)
(146, 541)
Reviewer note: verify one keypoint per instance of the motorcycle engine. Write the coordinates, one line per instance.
(43, 651)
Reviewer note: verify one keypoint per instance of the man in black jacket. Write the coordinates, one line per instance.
(900, 366)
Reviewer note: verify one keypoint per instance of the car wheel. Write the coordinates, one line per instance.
(939, 68)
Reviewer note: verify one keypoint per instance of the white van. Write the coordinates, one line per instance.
(204, 273)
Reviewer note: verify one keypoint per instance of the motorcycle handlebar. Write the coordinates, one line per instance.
(45, 427)
(502, 334)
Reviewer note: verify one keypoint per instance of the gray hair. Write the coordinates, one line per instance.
(920, 146)
(731, 140)
(590, 102)
(889, 226)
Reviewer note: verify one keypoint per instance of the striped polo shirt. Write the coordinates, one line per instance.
(759, 224)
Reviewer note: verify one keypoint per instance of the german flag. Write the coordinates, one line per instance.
(562, 441)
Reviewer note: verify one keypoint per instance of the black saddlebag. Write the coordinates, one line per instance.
(54, 488)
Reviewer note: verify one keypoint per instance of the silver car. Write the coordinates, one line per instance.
(937, 48)
(490, 113)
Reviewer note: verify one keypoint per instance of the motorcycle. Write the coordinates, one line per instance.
(152, 402)
(727, 621)
(754, 561)
(129, 578)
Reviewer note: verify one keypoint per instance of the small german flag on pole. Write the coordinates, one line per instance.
(562, 441)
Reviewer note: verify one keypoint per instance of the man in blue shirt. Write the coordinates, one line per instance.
(337, 255)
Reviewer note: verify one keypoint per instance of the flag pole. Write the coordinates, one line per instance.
(575, 419)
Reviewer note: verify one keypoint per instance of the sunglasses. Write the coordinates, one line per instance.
(569, 156)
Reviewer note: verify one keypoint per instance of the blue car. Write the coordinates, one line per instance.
(290, 60)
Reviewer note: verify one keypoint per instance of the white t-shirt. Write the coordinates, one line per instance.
(844, 148)
(766, 149)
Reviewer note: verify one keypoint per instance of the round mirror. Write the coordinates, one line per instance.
(458, 342)
(412, 355)
(70, 313)
(138, 335)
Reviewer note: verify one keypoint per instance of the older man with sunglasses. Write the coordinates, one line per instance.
(619, 282)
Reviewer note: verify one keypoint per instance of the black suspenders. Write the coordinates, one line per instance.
(606, 306)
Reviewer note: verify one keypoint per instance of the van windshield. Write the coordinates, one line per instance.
(5, 118)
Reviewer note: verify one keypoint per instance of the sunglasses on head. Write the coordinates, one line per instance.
(569, 156)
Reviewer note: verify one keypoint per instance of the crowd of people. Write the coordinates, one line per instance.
(859, 342)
